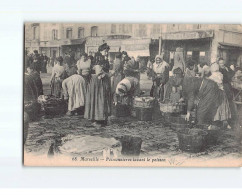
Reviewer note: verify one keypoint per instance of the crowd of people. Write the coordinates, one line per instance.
(91, 86)
(204, 87)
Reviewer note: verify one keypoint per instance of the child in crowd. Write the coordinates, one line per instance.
(175, 95)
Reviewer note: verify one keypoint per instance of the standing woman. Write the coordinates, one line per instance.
(98, 97)
(160, 77)
(117, 72)
(58, 75)
(227, 78)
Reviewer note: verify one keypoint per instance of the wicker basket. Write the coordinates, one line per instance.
(173, 108)
(192, 140)
(144, 102)
(55, 107)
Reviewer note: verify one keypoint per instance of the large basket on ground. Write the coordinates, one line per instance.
(122, 110)
(32, 108)
(173, 108)
(212, 135)
(144, 102)
(131, 146)
(192, 140)
(178, 123)
(144, 114)
(54, 106)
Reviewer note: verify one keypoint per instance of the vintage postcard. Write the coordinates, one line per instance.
(149, 95)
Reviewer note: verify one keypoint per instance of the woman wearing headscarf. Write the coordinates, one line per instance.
(160, 77)
(98, 96)
(126, 90)
(58, 75)
(223, 112)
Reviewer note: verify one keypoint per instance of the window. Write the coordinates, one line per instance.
(69, 33)
(54, 34)
(113, 29)
(80, 32)
(94, 30)
(142, 30)
(34, 33)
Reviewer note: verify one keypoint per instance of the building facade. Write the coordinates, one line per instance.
(58, 38)
(203, 42)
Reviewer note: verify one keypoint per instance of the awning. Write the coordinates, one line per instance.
(230, 46)
(186, 35)
(72, 41)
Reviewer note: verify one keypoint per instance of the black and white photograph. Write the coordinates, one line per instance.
(132, 94)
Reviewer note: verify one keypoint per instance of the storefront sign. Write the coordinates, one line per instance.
(187, 35)
(230, 38)
(95, 41)
(137, 45)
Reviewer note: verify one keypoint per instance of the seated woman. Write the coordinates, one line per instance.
(74, 90)
(126, 90)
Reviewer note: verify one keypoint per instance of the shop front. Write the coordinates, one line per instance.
(230, 47)
(51, 48)
(75, 46)
(196, 45)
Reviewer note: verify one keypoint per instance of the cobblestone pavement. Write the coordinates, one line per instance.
(157, 139)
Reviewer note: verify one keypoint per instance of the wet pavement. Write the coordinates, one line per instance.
(47, 136)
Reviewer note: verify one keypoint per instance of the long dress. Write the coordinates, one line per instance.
(227, 78)
(98, 98)
(74, 87)
(207, 92)
(117, 74)
(223, 111)
(58, 75)
(160, 78)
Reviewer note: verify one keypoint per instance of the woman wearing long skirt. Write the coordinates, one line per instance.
(98, 97)
(117, 73)
(160, 78)
(207, 92)
(58, 75)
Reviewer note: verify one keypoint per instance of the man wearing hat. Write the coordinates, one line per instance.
(37, 61)
(44, 60)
